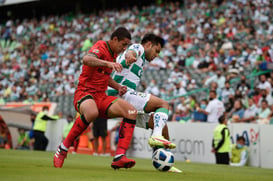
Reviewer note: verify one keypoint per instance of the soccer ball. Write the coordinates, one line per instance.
(162, 160)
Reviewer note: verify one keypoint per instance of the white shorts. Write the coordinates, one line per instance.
(139, 100)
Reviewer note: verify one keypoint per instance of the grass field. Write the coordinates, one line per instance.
(33, 165)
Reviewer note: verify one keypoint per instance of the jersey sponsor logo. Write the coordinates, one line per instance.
(142, 94)
(136, 47)
(96, 51)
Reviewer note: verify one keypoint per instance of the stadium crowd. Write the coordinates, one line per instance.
(216, 47)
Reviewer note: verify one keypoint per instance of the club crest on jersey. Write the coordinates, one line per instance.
(136, 47)
(96, 51)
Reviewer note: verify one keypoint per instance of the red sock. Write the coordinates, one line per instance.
(126, 131)
(79, 126)
(76, 144)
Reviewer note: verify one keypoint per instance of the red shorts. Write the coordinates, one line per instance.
(102, 100)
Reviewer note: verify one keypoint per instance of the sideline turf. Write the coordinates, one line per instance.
(38, 166)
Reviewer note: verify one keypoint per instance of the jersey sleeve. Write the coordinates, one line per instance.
(97, 50)
(138, 49)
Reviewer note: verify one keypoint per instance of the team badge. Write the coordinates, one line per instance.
(96, 51)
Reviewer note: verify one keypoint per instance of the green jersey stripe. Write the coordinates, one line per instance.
(118, 78)
(123, 63)
(137, 70)
(129, 84)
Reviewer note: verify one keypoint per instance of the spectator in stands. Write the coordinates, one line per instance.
(243, 86)
(234, 69)
(181, 104)
(192, 102)
(246, 37)
(237, 112)
(152, 88)
(239, 153)
(263, 113)
(177, 89)
(250, 112)
(265, 96)
(219, 78)
(214, 86)
(214, 109)
(192, 85)
(264, 84)
(199, 116)
(227, 92)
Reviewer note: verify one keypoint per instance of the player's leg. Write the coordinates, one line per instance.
(165, 131)
(81, 123)
(165, 134)
(121, 108)
(160, 117)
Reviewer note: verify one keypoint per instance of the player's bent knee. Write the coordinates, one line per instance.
(131, 114)
(91, 116)
(165, 104)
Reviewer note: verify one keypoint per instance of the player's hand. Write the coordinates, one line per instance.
(115, 66)
(129, 59)
(122, 90)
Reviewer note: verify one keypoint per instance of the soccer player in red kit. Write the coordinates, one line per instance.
(91, 101)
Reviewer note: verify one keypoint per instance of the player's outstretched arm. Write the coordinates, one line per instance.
(92, 61)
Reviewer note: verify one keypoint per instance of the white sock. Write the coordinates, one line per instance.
(160, 120)
(63, 147)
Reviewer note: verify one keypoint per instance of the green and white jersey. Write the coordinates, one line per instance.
(130, 75)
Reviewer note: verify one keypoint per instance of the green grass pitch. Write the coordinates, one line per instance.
(34, 165)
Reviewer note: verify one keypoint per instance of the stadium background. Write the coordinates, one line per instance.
(44, 8)
(49, 7)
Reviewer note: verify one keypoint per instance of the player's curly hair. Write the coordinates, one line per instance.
(153, 38)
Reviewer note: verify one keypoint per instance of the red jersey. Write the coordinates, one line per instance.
(95, 79)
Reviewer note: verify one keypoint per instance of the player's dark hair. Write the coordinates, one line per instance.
(153, 38)
(121, 33)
